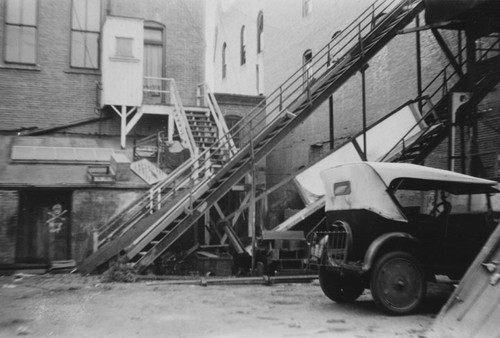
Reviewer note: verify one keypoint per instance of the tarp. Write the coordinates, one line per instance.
(381, 138)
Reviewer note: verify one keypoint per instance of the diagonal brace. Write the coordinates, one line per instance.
(447, 52)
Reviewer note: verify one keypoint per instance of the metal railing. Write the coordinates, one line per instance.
(207, 98)
(196, 173)
(438, 88)
(165, 90)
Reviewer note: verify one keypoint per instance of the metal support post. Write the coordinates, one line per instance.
(363, 92)
(330, 106)
(123, 133)
(473, 148)
(419, 63)
(251, 208)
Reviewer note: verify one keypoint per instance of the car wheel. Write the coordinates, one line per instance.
(341, 289)
(398, 283)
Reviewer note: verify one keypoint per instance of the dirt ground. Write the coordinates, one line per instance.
(74, 306)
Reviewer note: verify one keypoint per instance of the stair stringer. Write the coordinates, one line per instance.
(298, 110)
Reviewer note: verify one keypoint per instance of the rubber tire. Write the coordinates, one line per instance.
(340, 289)
(398, 283)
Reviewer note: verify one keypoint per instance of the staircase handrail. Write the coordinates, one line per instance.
(259, 116)
(165, 188)
(176, 101)
(429, 98)
(216, 112)
(263, 119)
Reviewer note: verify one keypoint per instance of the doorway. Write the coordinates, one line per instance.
(44, 230)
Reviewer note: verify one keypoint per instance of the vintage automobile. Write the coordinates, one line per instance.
(392, 227)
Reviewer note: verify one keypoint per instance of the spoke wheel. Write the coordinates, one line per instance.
(340, 289)
(398, 283)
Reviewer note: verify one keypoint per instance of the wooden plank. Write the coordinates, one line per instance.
(284, 235)
(301, 215)
(489, 327)
(473, 308)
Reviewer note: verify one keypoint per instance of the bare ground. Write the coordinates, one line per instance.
(75, 306)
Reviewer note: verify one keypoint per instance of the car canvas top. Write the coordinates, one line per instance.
(368, 183)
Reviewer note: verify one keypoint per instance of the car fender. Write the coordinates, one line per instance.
(379, 242)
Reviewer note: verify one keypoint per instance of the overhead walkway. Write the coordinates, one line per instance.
(198, 186)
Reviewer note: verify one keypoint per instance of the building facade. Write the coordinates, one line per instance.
(294, 32)
(59, 75)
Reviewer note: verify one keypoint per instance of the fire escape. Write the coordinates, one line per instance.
(192, 191)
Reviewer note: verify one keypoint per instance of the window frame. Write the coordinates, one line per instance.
(306, 8)
(260, 32)
(307, 73)
(224, 60)
(342, 188)
(160, 84)
(85, 32)
(232, 119)
(35, 26)
(243, 52)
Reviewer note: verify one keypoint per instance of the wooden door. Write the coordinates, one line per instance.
(44, 229)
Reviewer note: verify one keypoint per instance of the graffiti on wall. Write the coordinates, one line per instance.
(56, 218)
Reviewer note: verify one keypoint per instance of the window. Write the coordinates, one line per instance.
(154, 64)
(216, 35)
(332, 55)
(307, 64)
(85, 33)
(243, 52)
(260, 31)
(306, 7)
(224, 61)
(124, 47)
(257, 78)
(20, 31)
(342, 188)
(231, 121)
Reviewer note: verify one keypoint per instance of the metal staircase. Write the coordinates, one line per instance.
(197, 186)
(437, 116)
(434, 124)
(203, 128)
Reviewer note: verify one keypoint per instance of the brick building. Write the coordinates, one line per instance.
(80, 80)
(294, 32)
(72, 75)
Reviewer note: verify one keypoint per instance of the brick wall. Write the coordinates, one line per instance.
(52, 93)
(391, 80)
(91, 210)
(49, 92)
(9, 206)
(242, 105)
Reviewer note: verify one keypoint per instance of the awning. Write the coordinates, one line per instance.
(33, 174)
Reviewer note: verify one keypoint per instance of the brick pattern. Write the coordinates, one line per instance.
(9, 201)
(91, 210)
(51, 93)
